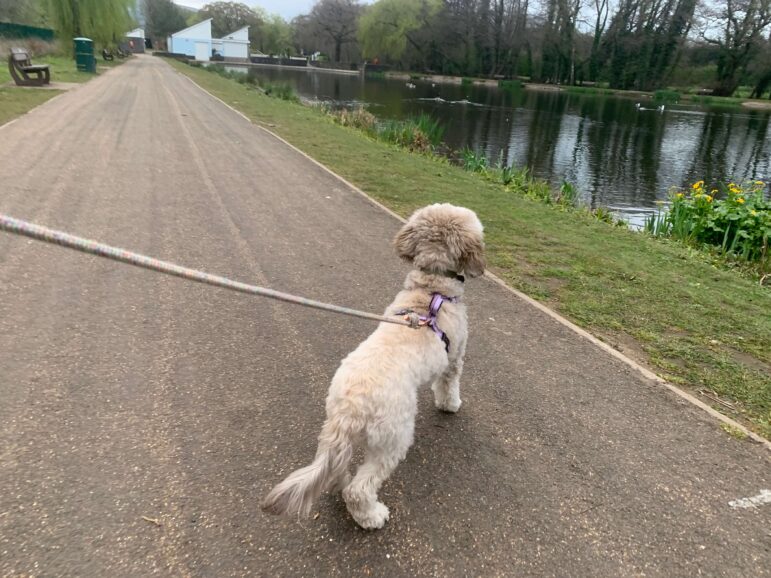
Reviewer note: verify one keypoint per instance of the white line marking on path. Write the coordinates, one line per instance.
(764, 497)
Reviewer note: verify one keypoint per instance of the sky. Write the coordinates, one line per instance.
(288, 9)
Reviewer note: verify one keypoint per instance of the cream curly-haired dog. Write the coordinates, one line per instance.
(373, 396)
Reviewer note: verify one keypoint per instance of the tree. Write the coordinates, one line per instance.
(388, 26)
(275, 35)
(742, 23)
(336, 19)
(17, 11)
(558, 63)
(644, 41)
(762, 66)
(601, 11)
(162, 18)
(228, 17)
(104, 21)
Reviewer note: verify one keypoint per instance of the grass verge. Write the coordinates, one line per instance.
(694, 322)
(17, 100)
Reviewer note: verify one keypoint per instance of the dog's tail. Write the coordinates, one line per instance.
(296, 494)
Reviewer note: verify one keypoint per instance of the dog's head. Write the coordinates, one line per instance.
(441, 238)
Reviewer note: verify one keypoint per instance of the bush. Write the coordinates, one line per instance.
(738, 224)
(666, 95)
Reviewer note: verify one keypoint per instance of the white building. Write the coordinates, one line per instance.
(234, 46)
(196, 41)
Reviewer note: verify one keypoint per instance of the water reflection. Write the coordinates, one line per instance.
(619, 152)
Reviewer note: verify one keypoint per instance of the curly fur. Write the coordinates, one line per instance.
(372, 400)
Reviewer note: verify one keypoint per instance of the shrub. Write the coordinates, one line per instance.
(358, 117)
(737, 224)
(666, 95)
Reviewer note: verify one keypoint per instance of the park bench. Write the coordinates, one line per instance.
(107, 54)
(22, 69)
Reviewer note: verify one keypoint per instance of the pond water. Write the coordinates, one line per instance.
(618, 154)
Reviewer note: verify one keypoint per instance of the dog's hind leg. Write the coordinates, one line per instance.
(382, 456)
(446, 388)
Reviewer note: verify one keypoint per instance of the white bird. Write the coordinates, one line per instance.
(637, 106)
(661, 108)
(410, 85)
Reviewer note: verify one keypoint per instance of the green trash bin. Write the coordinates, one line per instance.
(84, 54)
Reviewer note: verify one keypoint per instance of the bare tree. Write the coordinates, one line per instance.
(741, 24)
(644, 40)
(337, 19)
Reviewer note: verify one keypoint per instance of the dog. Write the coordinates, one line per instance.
(372, 400)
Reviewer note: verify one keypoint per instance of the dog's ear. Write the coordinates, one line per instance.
(406, 242)
(473, 259)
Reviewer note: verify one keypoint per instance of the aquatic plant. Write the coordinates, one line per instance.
(735, 219)
(473, 161)
(357, 117)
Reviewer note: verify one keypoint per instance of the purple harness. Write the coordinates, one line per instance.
(433, 310)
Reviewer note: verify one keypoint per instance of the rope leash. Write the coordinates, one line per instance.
(40, 233)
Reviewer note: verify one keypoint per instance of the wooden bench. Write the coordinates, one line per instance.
(22, 69)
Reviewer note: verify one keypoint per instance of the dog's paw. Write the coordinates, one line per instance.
(373, 519)
(448, 405)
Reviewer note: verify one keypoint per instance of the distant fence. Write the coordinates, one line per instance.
(8, 30)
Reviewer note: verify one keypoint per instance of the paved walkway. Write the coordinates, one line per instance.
(130, 398)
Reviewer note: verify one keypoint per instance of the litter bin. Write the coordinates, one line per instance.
(84, 54)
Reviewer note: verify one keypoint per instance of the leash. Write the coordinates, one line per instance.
(40, 233)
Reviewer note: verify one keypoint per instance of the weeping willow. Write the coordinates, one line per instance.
(104, 21)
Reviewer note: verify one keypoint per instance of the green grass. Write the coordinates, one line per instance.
(63, 69)
(16, 100)
(695, 322)
(589, 90)
(717, 100)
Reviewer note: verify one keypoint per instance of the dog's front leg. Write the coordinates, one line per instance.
(446, 388)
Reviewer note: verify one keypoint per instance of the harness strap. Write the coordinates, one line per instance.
(433, 310)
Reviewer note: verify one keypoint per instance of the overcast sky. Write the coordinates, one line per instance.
(286, 8)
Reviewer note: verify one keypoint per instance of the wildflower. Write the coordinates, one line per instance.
(753, 212)
(761, 183)
(679, 195)
(740, 200)
(697, 185)
(709, 198)
(713, 191)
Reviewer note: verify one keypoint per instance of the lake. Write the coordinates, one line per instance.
(620, 153)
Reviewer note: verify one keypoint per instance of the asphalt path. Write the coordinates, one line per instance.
(143, 417)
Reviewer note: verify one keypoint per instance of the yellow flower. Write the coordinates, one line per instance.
(740, 200)
(753, 212)
(761, 183)
(679, 195)
(697, 185)
(709, 199)
(713, 191)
